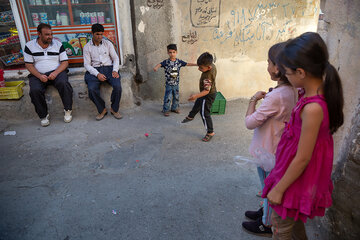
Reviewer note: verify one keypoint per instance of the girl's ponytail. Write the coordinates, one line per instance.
(309, 52)
(334, 97)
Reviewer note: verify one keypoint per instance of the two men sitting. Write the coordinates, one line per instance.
(46, 60)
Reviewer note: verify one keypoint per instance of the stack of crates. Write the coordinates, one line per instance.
(218, 107)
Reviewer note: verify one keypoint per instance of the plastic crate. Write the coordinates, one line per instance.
(219, 105)
(13, 90)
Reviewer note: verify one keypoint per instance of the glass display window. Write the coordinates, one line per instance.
(68, 12)
(87, 12)
(11, 56)
(71, 21)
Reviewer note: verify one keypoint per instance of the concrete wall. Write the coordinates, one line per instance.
(343, 218)
(126, 38)
(342, 27)
(342, 23)
(238, 33)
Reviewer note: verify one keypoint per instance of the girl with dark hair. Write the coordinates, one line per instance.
(268, 121)
(299, 187)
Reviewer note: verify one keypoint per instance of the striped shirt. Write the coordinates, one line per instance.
(45, 59)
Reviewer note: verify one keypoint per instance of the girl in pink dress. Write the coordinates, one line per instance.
(268, 122)
(299, 186)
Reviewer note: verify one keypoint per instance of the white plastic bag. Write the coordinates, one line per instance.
(262, 158)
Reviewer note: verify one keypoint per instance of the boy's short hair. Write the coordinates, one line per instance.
(171, 47)
(41, 26)
(97, 27)
(205, 59)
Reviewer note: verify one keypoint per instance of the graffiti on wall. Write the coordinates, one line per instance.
(205, 13)
(156, 4)
(261, 22)
(190, 38)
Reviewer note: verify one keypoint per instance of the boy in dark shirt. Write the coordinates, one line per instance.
(172, 67)
(206, 97)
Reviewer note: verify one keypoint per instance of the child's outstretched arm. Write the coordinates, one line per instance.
(157, 67)
(191, 64)
(312, 116)
(207, 87)
(193, 97)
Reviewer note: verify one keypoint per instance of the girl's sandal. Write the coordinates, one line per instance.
(207, 137)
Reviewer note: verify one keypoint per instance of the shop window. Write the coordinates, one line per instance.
(71, 22)
(10, 49)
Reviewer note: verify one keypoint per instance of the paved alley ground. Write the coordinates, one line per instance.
(106, 180)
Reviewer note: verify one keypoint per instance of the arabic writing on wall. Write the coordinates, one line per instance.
(261, 23)
(190, 38)
(205, 13)
(156, 4)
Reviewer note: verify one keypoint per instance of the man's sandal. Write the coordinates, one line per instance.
(207, 137)
(187, 119)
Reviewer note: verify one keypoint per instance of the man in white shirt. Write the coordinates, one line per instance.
(102, 65)
(46, 60)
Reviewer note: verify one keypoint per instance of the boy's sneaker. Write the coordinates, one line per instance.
(67, 116)
(176, 111)
(254, 215)
(166, 114)
(257, 227)
(45, 121)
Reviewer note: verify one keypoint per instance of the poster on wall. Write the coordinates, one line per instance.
(205, 13)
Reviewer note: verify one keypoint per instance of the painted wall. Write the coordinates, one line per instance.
(238, 33)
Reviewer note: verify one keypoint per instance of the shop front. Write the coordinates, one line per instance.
(71, 22)
(10, 48)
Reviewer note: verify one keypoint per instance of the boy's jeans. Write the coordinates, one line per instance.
(171, 93)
